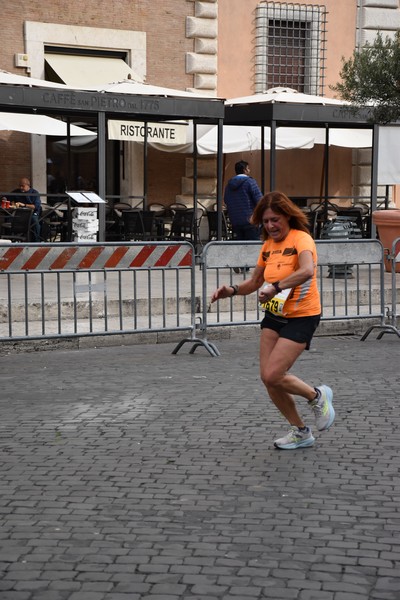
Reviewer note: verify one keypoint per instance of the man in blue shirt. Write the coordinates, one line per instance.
(29, 198)
(241, 196)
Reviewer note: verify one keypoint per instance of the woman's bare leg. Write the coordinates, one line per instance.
(277, 356)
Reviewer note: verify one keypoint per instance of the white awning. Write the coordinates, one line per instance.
(243, 138)
(82, 71)
(239, 138)
(13, 79)
(38, 124)
(388, 157)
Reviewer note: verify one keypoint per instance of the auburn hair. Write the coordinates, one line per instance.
(280, 204)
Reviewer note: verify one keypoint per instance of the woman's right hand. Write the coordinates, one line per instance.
(266, 293)
(225, 291)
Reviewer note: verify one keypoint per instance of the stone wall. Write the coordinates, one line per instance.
(377, 15)
(202, 62)
(374, 16)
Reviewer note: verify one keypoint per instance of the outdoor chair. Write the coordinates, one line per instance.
(320, 213)
(182, 226)
(177, 206)
(113, 224)
(18, 227)
(3, 220)
(118, 207)
(355, 214)
(51, 223)
(138, 224)
(212, 218)
(161, 220)
(366, 217)
(132, 225)
(156, 207)
(148, 221)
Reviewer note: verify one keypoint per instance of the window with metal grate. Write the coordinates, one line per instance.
(290, 47)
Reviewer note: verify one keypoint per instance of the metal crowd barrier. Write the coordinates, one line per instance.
(71, 290)
(350, 278)
(76, 290)
(393, 256)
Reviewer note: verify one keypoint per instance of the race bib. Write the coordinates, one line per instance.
(276, 304)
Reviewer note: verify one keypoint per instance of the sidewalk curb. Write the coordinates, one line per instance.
(231, 332)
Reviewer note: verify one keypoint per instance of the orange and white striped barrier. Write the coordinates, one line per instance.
(51, 257)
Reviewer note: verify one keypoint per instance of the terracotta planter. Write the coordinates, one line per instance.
(388, 226)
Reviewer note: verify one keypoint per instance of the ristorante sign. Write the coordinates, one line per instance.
(165, 133)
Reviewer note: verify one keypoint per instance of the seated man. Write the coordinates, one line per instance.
(29, 198)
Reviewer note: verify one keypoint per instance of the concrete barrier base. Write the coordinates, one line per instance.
(351, 327)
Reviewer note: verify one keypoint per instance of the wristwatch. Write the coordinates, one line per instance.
(275, 284)
(235, 288)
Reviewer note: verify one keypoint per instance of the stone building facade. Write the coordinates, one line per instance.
(208, 46)
(373, 16)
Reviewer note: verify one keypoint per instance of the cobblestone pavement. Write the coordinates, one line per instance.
(130, 473)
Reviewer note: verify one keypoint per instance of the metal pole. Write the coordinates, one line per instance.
(262, 159)
(220, 176)
(145, 175)
(101, 164)
(374, 176)
(195, 183)
(69, 178)
(326, 168)
(272, 158)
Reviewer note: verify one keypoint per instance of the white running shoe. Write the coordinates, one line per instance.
(295, 439)
(323, 409)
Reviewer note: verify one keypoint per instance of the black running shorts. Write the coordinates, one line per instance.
(297, 329)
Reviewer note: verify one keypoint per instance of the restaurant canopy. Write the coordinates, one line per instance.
(247, 125)
(129, 100)
(133, 99)
(284, 107)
